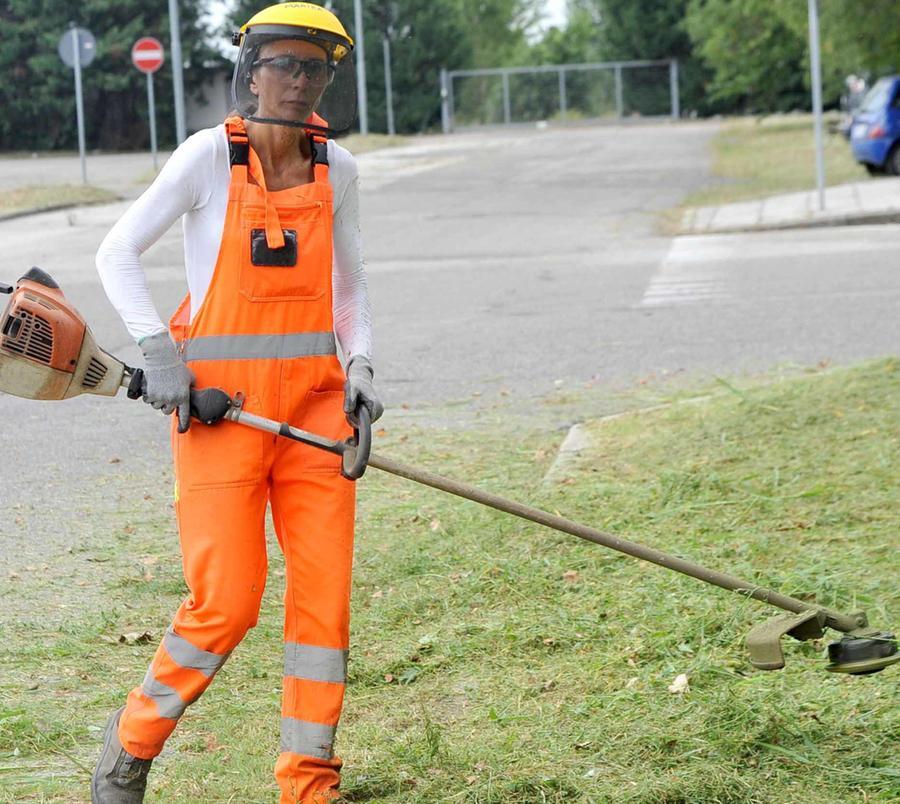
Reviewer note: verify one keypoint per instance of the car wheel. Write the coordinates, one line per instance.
(873, 170)
(892, 163)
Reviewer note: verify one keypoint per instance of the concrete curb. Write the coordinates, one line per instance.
(578, 439)
(873, 218)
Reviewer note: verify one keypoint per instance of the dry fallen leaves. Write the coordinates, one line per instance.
(570, 576)
(135, 638)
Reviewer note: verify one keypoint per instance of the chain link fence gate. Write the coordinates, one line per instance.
(507, 95)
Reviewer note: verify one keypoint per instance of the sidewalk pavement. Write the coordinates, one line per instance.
(874, 201)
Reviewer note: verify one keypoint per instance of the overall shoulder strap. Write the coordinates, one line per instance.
(238, 142)
(319, 156)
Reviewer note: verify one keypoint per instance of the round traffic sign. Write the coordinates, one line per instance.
(87, 47)
(148, 54)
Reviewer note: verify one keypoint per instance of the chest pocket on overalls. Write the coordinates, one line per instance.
(298, 272)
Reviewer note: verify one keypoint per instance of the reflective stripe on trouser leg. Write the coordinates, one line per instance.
(311, 663)
(187, 657)
(315, 663)
(225, 570)
(313, 514)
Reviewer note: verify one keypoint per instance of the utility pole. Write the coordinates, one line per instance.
(177, 72)
(815, 67)
(360, 69)
(388, 83)
(79, 99)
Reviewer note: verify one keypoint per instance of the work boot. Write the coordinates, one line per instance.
(119, 777)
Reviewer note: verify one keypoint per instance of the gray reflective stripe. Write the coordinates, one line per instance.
(314, 663)
(259, 347)
(186, 655)
(307, 738)
(167, 700)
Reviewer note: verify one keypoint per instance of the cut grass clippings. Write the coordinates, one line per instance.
(494, 661)
(755, 157)
(51, 196)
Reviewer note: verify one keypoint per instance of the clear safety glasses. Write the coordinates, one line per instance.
(289, 68)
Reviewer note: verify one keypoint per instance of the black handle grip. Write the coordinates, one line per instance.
(362, 439)
(136, 386)
(4, 288)
(209, 405)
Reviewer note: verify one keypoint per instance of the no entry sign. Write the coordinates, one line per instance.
(147, 54)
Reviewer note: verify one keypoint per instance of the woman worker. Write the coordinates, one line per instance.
(274, 271)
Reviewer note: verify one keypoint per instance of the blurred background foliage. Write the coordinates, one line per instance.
(735, 56)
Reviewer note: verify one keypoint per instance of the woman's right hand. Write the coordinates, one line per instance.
(167, 380)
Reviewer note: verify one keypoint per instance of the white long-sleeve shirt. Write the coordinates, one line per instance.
(193, 185)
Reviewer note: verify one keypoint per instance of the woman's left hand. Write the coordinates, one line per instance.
(359, 390)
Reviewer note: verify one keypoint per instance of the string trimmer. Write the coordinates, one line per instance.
(47, 351)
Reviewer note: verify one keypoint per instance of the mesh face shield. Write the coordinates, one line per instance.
(284, 75)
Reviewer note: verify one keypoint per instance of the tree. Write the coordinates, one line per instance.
(628, 30)
(38, 96)
(757, 58)
(436, 36)
(758, 50)
(653, 29)
(429, 35)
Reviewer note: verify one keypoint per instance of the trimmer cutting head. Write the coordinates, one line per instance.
(863, 655)
(47, 350)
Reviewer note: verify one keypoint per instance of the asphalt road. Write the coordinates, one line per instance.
(504, 267)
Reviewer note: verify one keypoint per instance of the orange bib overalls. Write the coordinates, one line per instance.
(265, 329)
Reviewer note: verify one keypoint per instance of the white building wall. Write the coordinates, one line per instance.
(217, 105)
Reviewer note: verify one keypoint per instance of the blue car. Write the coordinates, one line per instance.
(875, 132)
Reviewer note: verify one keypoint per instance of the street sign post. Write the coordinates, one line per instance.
(815, 67)
(77, 48)
(148, 56)
(177, 72)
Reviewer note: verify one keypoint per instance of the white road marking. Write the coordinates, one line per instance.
(687, 274)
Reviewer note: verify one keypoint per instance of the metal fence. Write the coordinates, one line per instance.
(508, 95)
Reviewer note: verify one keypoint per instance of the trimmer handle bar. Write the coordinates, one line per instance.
(211, 405)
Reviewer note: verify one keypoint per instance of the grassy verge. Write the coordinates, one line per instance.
(51, 195)
(497, 662)
(754, 157)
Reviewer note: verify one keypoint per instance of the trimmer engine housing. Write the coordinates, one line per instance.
(47, 350)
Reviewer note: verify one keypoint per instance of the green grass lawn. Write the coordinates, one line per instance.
(495, 661)
(51, 195)
(754, 157)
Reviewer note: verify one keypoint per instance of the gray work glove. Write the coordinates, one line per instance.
(167, 380)
(358, 390)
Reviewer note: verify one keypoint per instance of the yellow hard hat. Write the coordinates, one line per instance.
(315, 23)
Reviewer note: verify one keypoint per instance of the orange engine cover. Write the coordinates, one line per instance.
(40, 325)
